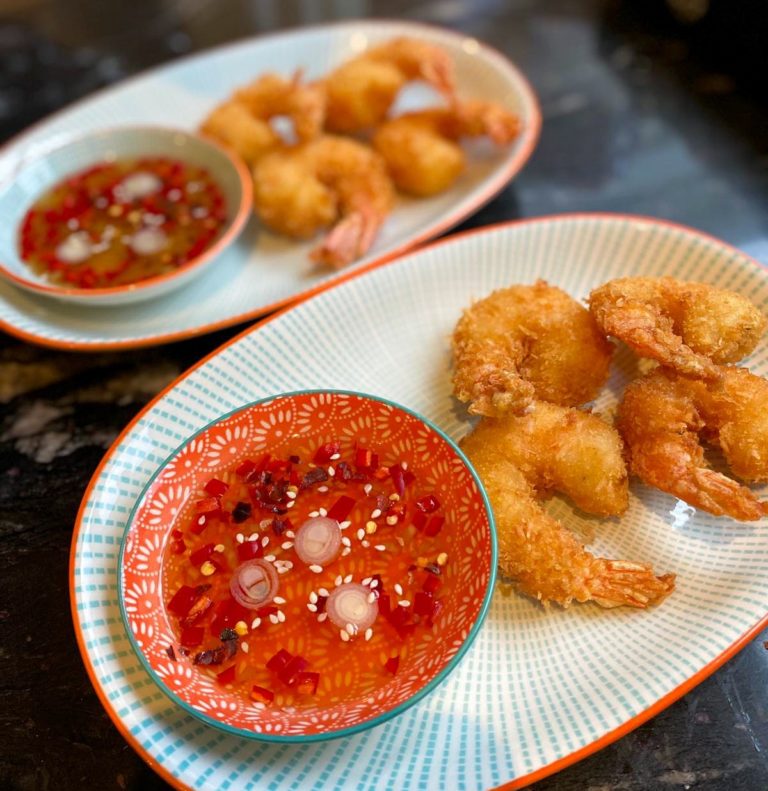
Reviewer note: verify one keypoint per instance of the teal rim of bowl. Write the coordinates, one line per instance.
(366, 724)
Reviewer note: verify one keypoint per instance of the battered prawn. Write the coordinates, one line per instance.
(553, 448)
(421, 148)
(243, 122)
(360, 92)
(690, 327)
(662, 417)
(302, 189)
(527, 342)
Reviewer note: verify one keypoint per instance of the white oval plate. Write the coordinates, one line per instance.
(261, 271)
(538, 689)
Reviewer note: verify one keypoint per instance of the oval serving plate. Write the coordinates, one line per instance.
(538, 690)
(262, 271)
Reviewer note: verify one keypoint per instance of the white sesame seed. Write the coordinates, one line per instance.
(322, 512)
(344, 525)
(366, 544)
(286, 544)
(269, 558)
(344, 635)
(404, 603)
(273, 618)
(278, 600)
(264, 541)
(348, 579)
(376, 513)
(312, 607)
(380, 548)
(442, 558)
(255, 623)
(345, 541)
(322, 489)
(281, 616)
(392, 520)
(313, 597)
(291, 495)
(239, 538)
(244, 647)
(338, 580)
(374, 584)
(346, 551)
(351, 629)
(331, 471)
(336, 457)
(366, 581)
(367, 488)
(322, 617)
(323, 592)
(360, 534)
(368, 633)
(400, 540)
(404, 465)
(398, 589)
(313, 514)
(372, 597)
(253, 536)
(317, 569)
(290, 503)
(290, 534)
(264, 524)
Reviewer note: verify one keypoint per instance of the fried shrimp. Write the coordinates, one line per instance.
(690, 327)
(300, 190)
(421, 148)
(360, 92)
(527, 342)
(662, 418)
(519, 460)
(243, 122)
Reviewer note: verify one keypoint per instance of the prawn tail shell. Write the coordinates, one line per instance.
(624, 583)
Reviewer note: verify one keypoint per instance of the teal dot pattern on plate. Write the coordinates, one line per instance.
(536, 685)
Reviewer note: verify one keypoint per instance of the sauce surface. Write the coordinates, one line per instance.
(288, 651)
(122, 222)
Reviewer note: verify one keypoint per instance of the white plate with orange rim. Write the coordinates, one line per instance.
(261, 271)
(539, 689)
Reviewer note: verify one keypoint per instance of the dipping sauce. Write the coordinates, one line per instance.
(122, 222)
(302, 579)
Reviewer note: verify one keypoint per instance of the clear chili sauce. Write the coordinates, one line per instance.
(304, 578)
(122, 222)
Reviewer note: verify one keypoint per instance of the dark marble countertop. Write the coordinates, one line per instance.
(641, 115)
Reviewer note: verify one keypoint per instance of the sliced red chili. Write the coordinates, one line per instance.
(324, 453)
(306, 682)
(226, 676)
(182, 601)
(434, 526)
(342, 508)
(216, 487)
(428, 504)
(199, 556)
(261, 694)
(279, 660)
(392, 664)
(396, 473)
(192, 636)
(289, 674)
(249, 550)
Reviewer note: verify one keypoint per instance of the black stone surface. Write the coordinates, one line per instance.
(641, 114)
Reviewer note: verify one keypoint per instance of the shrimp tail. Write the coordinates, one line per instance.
(619, 583)
(477, 117)
(349, 239)
(722, 496)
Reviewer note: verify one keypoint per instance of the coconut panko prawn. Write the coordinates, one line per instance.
(663, 418)
(527, 342)
(553, 448)
(691, 327)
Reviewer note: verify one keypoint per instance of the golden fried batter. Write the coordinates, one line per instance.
(528, 342)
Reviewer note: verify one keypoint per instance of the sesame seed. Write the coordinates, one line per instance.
(380, 547)
(313, 597)
(344, 525)
(239, 538)
(370, 528)
(442, 558)
(322, 489)
(366, 581)
(322, 617)
(404, 465)
(278, 600)
(367, 488)
(394, 497)
(338, 580)
(292, 489)
(368, 633)
(348, 579)
(313, 514)
(264, 524)
(351, 629)
(323, 592)
(286, 544)
(322, 512)
(376, 513)
(331, 471)
(317, 569)
(244, 647)
(207, 568)
(253, 536)
(336, 457)
(291, 495)
(281, 616)
(366, 544)
(290, 534)
(290, 503)
(281, 569)
(255, 623)
(360, 534)
(345, 541)
(398, 589)
(346, 551)
(264, 541)
(241, 627)
(312, 607)
(218, 548)
(269, 558)
(273, 618)
(343, 634)
(400, 540)
(404, 603)
(372, 597)
(374, 584)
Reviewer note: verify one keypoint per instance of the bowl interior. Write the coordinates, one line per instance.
(41, 169)
(317, 417)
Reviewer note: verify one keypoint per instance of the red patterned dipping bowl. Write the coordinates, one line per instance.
(307, 566)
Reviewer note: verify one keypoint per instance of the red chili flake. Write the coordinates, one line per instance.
(192, 636)
(249, 550)
(215, 487)
(279, 660)
(199, 556)
(342, 508)
(306, 682)
(241, 512)
(182, 601)
(200, 524)
(408, 478)
(289, 674)
(245, 469)
(431, 584)
(324, 452)
(419, 520)
(428, 504)
(382, 503)
(171, 653)
(434, 526)
(396, 473)
(366, 459)
(392, 664)
(294, 459)
(197, 611)
(384, 605)
(345, 472)
(261, 694)
(208, 505)
(177, 534)
(178, 547)
(226, 676)
(211, 657)
(318, 475)
(423, 603)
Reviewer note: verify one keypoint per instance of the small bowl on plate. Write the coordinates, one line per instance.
(416, 537)
(40, 171)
